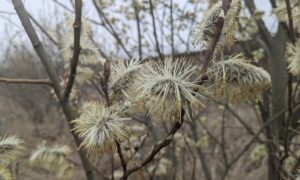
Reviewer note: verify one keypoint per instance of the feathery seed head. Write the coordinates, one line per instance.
(53, 159)
(100, 127)
(293, 57)
(84, 75)
(10, 148)
(166, 87)
(89, 53)
(204, 33)
(5, 173)
(281, 12)
(258, 152)
(123, 75)
(236, 80)
(230, 26)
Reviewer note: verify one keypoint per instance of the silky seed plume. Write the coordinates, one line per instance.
(165, 88)
(54, 159)
(123, 75)
(204, 32)
(237, 80)
(293, 58)
(100, 127)
(10, 148)
(5, 174)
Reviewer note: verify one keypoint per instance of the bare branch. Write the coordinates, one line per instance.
(26, 81)
(157, 148)
(43, 30)
(122, 158)
(111, 29)
(154, 29)
(45, 59)
(76, 51)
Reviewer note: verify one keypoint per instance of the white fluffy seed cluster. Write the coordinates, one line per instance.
(205, 32)
(53, 159)
(10, 148)
(5, 174)
(165, 88)
(237, 80)
(100, 127)
(123, 75)
(89, 53)
(293, 58)
(281, 12)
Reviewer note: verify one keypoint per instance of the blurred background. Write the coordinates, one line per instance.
(124, 30)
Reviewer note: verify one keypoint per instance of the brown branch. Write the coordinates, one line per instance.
(26, 81)
(291, 21)
(122, 158)
(76, 50)
(157, 148)
(291, 34)
(104, 82)
(49, 67)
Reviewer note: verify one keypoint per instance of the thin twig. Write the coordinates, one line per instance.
(172, 29)
(43, 30)
(49, 67)
(26, 81)
(111, 28)
(137, 17)
(157, 148)
(154, 29)
(76, 50)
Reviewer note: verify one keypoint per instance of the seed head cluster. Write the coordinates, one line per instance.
(123, 75)
(237, 80)
(5, 174)
(10, 148)
(204, 32)
(53, 159)
(165, 88)
(100, 127)
(293, 57)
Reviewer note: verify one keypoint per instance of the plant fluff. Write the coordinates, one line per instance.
(123, 75)
(236, 80)
(205, 32)
(100, 127)
(293, 58)
(10, 148)
(53, 159)
(5, 173)
(165, 88)
(89, 53)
